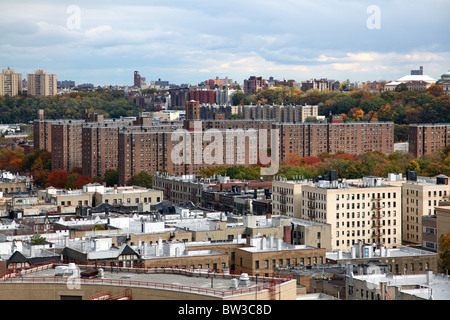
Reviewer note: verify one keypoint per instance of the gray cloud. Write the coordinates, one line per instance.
(190, 41)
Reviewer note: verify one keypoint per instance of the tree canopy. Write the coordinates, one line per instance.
(401, 106)
(22, 109)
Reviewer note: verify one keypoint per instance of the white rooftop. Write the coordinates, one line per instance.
(436, 287)
(416, 78)
(262, 244)
(378, 253)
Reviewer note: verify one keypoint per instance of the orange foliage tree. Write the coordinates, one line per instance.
(356, 113)
(57, 178)
(444, 249)
(310, 160)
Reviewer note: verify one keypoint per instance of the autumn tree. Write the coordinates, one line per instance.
(401, 87)
(291, 172)
(58, 178)
(356, 113)
(77, 181)
(413, 166)
(444, 251)
(310, 160)
(400, 132)
(435, 90)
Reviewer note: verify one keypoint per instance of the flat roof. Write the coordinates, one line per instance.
(187, 280)
(303, 222)
(284, 247)
(438, 288)
(387, 253)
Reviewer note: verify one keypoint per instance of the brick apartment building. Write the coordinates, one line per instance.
(66, 144)
(42, 135)
(311, 139)
(424, 139)
(203, 96)
(99, 146)
(254, 84)
(319, 84)
(133, 145)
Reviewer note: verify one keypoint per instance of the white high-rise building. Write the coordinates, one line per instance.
(224, 96)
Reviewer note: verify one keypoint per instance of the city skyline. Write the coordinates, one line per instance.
(191, 42)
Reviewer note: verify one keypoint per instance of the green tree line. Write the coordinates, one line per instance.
(23, 109)
(401, 106)
(347, 166)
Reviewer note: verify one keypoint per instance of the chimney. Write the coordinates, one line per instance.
(279, 243)
(32, 251)
(429, 276)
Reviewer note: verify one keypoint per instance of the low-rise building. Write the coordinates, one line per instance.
(286, 197)
(427, 286)
(126, 196)
(311, 233)
(266, 254)
(419, 198)
(402, 260)
(14, 183)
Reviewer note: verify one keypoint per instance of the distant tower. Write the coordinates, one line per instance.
(137, 79)
(417, 72)
(192, 115)
(192, 110)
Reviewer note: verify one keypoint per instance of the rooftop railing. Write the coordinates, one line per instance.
(266, 282)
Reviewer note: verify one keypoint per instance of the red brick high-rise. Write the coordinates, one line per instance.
(203, 96)
(425, 138)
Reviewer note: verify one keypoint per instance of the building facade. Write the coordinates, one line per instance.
(424, 139)
(358, 210)
(254, 84)
(10, 83)
(203, 96)
(444, 82)
(266, 255)
(312, 139)
(42, 83)
(419, 198)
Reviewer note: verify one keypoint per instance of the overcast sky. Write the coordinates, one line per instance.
(103, 42)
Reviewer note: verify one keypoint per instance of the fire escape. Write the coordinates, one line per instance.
(283, 202)
(376, 221)
(311, 207)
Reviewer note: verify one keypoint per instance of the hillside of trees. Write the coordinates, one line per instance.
(22, 109)
(347, 166)
(402, 106)
(39, 165)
